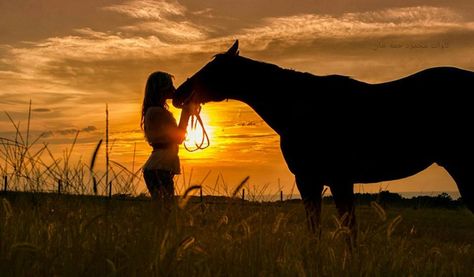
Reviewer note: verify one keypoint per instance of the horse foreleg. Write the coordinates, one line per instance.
(343, 194)
(311, 196)
(461, 172)
(313, 214)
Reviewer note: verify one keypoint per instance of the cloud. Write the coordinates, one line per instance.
(177, 38)
(96, 45)
(408, 21)
(207, 12)
(87, 44)
(419, 15)
(69, 131)
(162, 18)
(248, 123)
(171, 30)
(41, 110)
(148, 9)
(89, 129)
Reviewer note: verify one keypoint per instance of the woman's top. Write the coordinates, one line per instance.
(161, 133)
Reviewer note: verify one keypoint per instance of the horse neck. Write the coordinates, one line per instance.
(262, 91)
(271, 112)
(281, 96)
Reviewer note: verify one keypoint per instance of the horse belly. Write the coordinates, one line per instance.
(388, 168)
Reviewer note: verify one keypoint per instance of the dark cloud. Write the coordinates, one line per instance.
(41, 110)
(47, 134)
(68, 131)
(89, 129)
(248, 123)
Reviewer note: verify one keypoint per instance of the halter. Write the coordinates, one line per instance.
(195, 120)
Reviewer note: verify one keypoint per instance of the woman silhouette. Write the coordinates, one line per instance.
(163, 134)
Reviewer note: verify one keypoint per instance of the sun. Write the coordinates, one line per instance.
(196, 141)
(197, 137)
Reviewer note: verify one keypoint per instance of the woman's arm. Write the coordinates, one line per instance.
(188, 110)
(162, 128)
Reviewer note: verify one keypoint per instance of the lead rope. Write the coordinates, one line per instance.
(195, 120)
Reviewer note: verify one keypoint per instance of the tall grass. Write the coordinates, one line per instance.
(29, 164)
(46, 235)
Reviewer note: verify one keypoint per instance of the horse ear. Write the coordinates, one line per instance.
(234, 50)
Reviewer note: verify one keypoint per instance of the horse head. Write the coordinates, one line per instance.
(209, 82)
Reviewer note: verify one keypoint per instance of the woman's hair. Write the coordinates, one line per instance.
(157, 83)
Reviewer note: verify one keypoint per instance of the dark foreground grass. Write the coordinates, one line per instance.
(51, 235)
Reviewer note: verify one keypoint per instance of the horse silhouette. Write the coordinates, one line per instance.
(338, 131)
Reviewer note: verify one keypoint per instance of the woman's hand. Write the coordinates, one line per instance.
(191, 108)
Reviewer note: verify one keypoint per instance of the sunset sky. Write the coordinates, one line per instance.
(72, 57)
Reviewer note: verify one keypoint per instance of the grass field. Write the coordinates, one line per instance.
(61, 235)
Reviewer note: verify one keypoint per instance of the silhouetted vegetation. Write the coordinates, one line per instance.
(386, 199)
(46, 234)
(390, 199)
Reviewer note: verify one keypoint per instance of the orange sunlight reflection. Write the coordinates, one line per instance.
(195, 136)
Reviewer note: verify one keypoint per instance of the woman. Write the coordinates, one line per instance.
(163, 134)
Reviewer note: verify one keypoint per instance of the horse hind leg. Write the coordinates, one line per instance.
(343, 194)
(311, 195)
(462, 173)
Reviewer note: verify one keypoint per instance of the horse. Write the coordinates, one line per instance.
(365, 133)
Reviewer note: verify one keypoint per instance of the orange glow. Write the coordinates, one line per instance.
(196, 135)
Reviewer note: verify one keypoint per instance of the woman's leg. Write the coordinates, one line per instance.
(167, 184)
(152, 183)
(160, 184)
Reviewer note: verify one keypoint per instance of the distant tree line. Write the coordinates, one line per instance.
(387, 199)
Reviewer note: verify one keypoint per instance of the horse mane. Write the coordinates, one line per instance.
(303, 78)
(291, 73)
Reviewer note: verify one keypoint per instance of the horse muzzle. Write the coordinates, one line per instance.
(177, 103)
